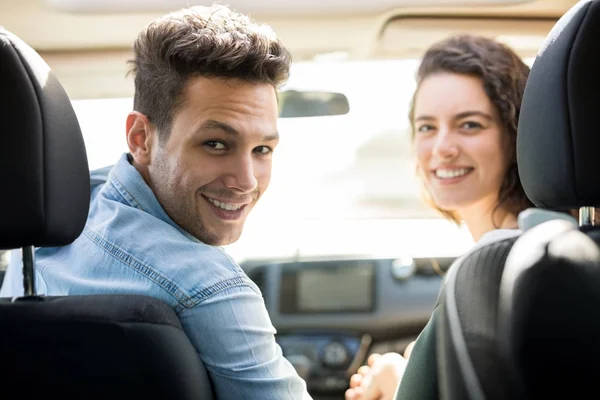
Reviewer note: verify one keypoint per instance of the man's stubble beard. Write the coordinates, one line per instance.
(176, 202)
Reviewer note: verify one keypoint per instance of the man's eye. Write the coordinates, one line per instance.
(213, 144)
(424, 128)
(263, 150)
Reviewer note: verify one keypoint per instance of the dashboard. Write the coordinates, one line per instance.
(331, 313)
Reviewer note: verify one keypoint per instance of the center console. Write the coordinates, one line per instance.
(331, 313)
(325, 360)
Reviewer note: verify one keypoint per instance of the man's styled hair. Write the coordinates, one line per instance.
(203, 41)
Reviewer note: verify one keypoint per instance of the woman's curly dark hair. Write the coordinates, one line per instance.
(503, 75)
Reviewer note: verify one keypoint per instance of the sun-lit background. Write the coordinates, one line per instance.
(347, 177)
(341, 183)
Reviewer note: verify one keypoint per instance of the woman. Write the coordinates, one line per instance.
(464, 118)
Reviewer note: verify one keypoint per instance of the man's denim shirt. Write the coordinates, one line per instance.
(130, 245)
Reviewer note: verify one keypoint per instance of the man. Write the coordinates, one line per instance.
(200, 139)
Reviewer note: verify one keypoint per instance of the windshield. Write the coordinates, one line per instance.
(339, 183)
(352, 166)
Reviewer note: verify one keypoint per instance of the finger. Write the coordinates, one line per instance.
(354, 393)
(355, 380)
(372, 358)
(350, 395)
(364, 370)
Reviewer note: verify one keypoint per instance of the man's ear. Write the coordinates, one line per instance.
(140, 137)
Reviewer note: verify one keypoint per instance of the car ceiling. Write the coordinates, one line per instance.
(87, 42)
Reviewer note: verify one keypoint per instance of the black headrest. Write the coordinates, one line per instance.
(44, 176)
(558, 141)
(548, 297)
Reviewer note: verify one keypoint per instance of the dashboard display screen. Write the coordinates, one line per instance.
(328, 287)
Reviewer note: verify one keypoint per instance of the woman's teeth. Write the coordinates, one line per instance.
(445, 173)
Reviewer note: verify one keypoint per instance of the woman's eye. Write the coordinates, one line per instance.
(213, 144)
(424, 128)
(263, 150)
(471, 125)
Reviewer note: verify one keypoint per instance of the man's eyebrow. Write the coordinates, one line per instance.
(212, 125)
(271, 138)
(424, 118)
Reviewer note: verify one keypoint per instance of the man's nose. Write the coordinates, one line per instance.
(242, 176)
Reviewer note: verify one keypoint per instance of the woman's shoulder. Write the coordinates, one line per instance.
(498, 234)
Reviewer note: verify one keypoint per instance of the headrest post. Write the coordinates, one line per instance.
(28, 273)
(587, 216)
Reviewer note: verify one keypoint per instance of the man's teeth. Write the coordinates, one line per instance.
(451, 173)
(225, 206)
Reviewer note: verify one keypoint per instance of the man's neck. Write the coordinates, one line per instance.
(142, 169)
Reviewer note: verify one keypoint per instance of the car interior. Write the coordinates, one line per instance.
(342, 281)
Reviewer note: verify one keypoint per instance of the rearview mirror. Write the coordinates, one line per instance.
(297, 104)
